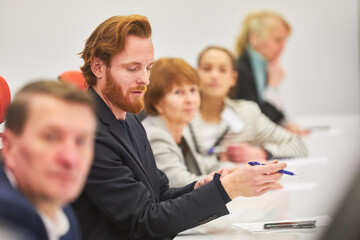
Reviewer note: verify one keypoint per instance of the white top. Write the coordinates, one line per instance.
(57, 228)
(209, 133)
(245, 122)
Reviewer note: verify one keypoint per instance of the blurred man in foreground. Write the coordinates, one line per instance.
(47, 152)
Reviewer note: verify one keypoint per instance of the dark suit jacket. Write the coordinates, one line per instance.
(18, 212)
(127, 197)
(246, 89)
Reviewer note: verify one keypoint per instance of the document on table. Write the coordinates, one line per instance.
(298, 186)
(258, 227)
(324, 131)
(294, 162)
(187, 234)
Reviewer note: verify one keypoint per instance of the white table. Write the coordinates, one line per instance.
(323, 179)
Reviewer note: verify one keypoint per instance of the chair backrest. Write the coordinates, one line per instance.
(74, 77)
(5, 98)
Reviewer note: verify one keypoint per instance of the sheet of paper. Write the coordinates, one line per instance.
(325, 132)
(258, 227)
(298, 186)
(187, 234)
(304, 161)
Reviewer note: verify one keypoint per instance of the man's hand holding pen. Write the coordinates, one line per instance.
(248, 181)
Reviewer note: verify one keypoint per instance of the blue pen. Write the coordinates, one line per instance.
(281, 171)
(217, 150)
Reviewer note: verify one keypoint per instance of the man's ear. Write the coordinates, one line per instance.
(98, 67)
(8, 138)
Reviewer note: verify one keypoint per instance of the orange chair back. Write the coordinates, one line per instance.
(5, 98)
(74, 77)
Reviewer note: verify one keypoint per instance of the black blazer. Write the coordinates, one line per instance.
(246, 89)
(127, 197)
(19, 213)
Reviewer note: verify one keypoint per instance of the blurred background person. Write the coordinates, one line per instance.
(171, 102)
(258, 48)
(47, 152)
(239, 127)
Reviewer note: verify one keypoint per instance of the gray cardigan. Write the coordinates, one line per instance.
(169, 157)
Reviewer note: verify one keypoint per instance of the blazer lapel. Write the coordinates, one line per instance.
(144, 149)
(138, 139)
(106, 116)
(116, 129)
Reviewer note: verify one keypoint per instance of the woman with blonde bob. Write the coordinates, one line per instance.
(258, 48)
(171, 102)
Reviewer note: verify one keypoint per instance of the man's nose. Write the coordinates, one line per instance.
(144, 77)
(214, 74)
(68, 153)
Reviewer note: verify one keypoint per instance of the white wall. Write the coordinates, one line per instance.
(41, 38)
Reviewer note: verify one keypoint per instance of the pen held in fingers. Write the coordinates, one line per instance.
(287, 172)
(280, 171)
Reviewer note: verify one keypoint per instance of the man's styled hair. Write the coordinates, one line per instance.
(108, 39)
(166, 74)
(18, 111)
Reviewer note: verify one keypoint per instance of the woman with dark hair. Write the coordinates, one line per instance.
(236, 127)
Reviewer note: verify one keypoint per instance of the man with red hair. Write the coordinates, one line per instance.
(126, 196)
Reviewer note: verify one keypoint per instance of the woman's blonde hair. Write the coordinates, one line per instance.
(261, 23)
